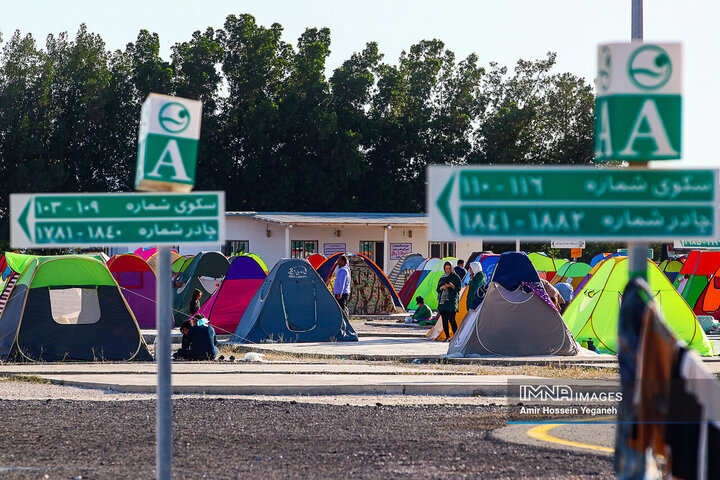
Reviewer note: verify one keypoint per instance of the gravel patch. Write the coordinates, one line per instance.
(229, 439)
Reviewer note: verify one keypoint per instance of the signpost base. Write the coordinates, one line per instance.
(164, 366)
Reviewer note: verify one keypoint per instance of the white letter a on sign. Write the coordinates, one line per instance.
(170, 157)
(656, 133)
(603, 143)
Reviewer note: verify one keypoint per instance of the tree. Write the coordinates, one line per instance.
(277, 133)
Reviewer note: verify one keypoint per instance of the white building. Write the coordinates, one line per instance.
(384, 237)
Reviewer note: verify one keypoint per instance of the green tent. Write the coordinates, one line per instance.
(545, 263)
(67, 308)
(575, 271)
(428, 288)
(593, 313)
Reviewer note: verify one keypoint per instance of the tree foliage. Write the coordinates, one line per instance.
(278, 132)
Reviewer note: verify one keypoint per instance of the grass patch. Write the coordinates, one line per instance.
(26, 379)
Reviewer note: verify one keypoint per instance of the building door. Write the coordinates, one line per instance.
(374, 251)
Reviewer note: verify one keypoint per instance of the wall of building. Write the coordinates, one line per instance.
(272, 248)
(268, 239)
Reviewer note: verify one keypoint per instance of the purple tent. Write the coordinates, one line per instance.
(137, 283)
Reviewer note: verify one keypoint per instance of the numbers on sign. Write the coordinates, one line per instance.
(525, 186)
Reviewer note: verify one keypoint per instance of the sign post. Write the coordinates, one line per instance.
(542, 204)
(167, 156)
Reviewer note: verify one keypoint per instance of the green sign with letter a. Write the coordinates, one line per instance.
(638, 108)
(167, 144)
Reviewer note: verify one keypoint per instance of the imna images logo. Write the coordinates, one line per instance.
(565, 393)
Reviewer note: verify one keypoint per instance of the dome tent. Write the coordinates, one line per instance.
(228, 304)
(205, 273)
(293, 305)
(593, 313)
(68, 308)
(516, 318)
(371, 292)
(137, 282)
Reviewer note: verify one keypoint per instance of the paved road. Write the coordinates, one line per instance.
(598, 439)
(229, 439)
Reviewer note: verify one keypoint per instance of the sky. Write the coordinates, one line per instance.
(496, 30)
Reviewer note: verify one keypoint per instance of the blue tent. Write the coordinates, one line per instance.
(512, 269)
(487, 263)
(293, 305)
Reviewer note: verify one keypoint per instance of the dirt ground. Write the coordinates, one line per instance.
(236, 438)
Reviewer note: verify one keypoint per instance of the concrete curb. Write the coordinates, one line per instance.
(489, 390)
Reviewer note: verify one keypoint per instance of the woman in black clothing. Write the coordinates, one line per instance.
(448, 290)
(195, 302)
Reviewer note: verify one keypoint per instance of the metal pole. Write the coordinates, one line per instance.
(517, 245)
(636, 32)
(386, 250)
(637, 251)
(288, 254)
(163, 311)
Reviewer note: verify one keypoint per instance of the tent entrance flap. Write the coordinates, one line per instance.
(299, 309)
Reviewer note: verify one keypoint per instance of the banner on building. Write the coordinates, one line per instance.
(399, 250)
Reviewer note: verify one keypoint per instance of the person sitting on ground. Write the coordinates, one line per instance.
(201, 341)
(553, 293)
(195, 302)
(460, 269)
(184, 328)
(422, 312)
(476, 287)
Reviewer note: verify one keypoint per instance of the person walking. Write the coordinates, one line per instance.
(341, 289)
(448, 290)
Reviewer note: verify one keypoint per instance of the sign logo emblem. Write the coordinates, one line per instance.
(174, 117)
(604, 69)
(298, 272)
(649, 67)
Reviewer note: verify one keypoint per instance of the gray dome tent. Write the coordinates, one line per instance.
(293, 305)
(516, 318)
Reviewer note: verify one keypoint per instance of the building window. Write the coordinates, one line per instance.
(374, 251)
(235, 247)
(442, 249)
(303, 248)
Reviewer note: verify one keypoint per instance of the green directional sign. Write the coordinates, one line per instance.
(638, 107)
(650, 252)
(80, 220)
(697, 244)
(554, 203)
(168, 143)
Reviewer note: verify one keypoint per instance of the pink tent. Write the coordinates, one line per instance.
(227, 305)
